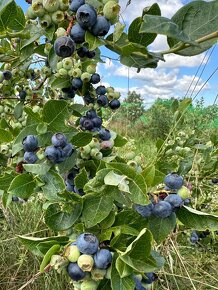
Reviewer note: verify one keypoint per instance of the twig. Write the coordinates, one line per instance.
(47, 268)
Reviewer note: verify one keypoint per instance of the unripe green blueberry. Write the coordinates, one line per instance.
(187, 150)
(7, 110)
(63, 72)
(132, 163)
(58, 262)
(30, 14)
(110, 90)
(111, 11)
(45, 21)
(57, 16)
(98, 156)
(110, 96)
(7, 66)
(178, 149)
(95, 143)
(85, 262)
(85, 77)
(91, 69)
(48, 47)
(76, 72)
(84, 156)
(169, 152)
(60, 32)
(67, 63)
(3, 115)
(78, 64)
(46, 71)
(86, 149)
(89, 285)
(4, 148)
(94, 151)
(184, 192)
(129, 155)
(1, 109)
(72, 253)
(117, 95)
(98, 274)
(38, 8)
(23, 123)
(106, 1)
(51, 5)
(63, 4)
(59, 65)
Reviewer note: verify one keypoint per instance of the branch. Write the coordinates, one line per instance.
(182, 46)
(47, 268)
(41, 84)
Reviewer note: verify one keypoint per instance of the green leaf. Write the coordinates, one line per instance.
(22, 186)
(39, 169)
(32, 243)
(18, 22)
(197, 19)
(139, 60)
(53, 185)
(55, 112)
(118, 30)
(138, 253)
(123, 269)
(58, 220)
(60, 83)
(197, 220)
(117, 282)
(5, 136)
(18, 110)
(117, 180)
(81, 139)
(120, 141)
(137, 185)
(162, 25)
(35, 33)
(81, 179)
(53, 250)
(93, 41)
(161, 228)
(143, 38)
(96, 208)
(149, 175)
(5, 180)
(4, 3)
(7, 14)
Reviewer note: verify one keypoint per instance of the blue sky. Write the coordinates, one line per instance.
(172, 78)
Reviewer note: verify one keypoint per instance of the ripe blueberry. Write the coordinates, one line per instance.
(173, 181)
(114, 104)
(102, 100)
(64, 46)
(59, 140)
(30, 143)
(87, 243)
(101, 90)
(101, 27)
(104, 134)
(162, 209)
(86, 16)
(77, 33)
(30, 157)
(75, 272)
(75, 4)
(103, 259)
(95, 78)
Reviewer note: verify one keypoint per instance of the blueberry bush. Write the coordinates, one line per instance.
(106, 212)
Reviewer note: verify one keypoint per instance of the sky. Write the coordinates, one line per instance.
(172, 78)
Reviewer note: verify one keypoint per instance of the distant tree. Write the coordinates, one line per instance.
(133, 106)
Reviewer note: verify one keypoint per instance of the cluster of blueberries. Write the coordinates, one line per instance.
(170, 203)
(57, 153)
(93, 123)
(85, 257)
(60, 149)
(87, 19)
(30, 146)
